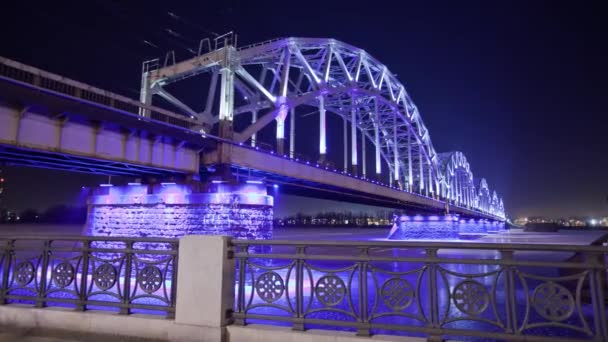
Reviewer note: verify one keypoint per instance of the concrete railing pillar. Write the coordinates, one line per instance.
(205, 285)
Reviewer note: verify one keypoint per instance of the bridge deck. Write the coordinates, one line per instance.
(300, 174)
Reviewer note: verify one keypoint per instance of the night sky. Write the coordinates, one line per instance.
(519, 87)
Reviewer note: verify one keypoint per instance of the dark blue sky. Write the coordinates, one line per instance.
(518, 86)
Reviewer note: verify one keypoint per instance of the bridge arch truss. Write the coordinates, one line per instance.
(265, 83)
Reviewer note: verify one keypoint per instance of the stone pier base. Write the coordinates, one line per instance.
(175, 210)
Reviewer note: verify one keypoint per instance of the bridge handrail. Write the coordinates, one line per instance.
(425, 245)
(260, 43)
(84, 267)
(376, 284)
(54, 82)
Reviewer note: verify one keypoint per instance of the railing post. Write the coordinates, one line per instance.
(81, 306)
(241, 290)
(126, 292)
(205, 285)
(597, 281)
(431, 255)
(364, 328)
(510, 294)
(298, 323)
(8, 254)
(171, 314)
(40, 303)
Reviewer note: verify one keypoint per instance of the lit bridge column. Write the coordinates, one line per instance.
(420, 167)
(431, 186)
(353, 136)
(377, 141)
(396, 152)
(254, 118)
(292, 133)
(322, 137)
(345, 133)
(282, 106)
(226, 114)
(226, 100)
(281, 129)
(410, 180)
(363, 166)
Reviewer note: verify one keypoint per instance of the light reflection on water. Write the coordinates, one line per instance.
(444, 228)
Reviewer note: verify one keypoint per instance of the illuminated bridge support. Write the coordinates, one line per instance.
(174, 210)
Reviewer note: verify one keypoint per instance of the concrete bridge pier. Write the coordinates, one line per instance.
(219, 207)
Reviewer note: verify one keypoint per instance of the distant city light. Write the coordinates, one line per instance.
(167, 183)
(276, 186)
(593, 222)
(134, 183)
(106, 184)
(254, 182)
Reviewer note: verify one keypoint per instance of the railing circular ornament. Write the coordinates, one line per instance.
(553, 301)
(330, 290)
(24, 273)
(471, 297)
(150, 279)
(270, 287)
(397, 293)
(104, 276)
(63, 274)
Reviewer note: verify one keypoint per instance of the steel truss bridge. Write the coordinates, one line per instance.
(244, 92)
(267, 83)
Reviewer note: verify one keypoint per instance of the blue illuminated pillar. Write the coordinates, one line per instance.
(226, 114)
(292, 133)
(377, 140)
(410, 180)
(281, 129)
(430, 187)
(322, 124)
(396, 151)
(226, 110)
(345, 131)
(363, 166)
(353, 136)
(420, 166)
(254, 118)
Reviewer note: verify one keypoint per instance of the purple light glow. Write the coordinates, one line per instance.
(106, 185)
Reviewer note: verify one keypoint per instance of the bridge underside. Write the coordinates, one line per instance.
(303, 179)
(10, 155)
(44, 128)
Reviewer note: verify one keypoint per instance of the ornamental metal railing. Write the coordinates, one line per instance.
(128, 274)
(58, 84)
(438, 290)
